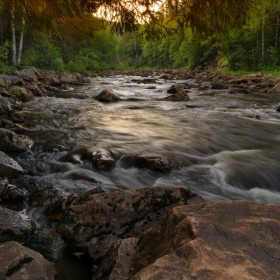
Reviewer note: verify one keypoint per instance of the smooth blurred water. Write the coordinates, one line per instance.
(224, 147)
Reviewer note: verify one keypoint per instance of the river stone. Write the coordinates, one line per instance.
(149, 161)
(175, 89)
(8, 167)
(12, 142)
(97, 219)
(36, 91)
(277, 108)
(107, 96)
(7, 81)
(219, 86)
(7, 124)
(275, 89)
(102, 160)
(181, 96)
(23, 94)
(224, 240)
(45, 197)
(29, 74)
(67, 78)
(15, 226)
(20, 263)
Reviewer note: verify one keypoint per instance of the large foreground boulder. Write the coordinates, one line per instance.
(98, 219)
(8, 167)
(20, 263)
(12, 142)
(215, 241)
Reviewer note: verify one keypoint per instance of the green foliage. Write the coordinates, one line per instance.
(5, 68)
(15, 92)
(43, 54)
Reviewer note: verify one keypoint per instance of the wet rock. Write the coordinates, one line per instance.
(175, 89)
(17, 116)
(8, 167)
(219, 86)
(51, 80)
(12, 142)
(15, 226)
(275, 89)
(107, 96)
(20, 263)
(182, 96)
(207, 93)
(18, 194)
(3, 186)
(167, 77)
(244, 90)
(29, 74)
(96, 219)
(149, 81)
(36, 91)
(8, 81)
(67, 78)
(45, 197)
(153, 162)
(23, 94)
(55, 210)
(12, 126)
(116, 263)
(102, 160)
(226, 240)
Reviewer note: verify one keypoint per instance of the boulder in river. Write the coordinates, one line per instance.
(175, 89)
(219, 86)
(226, 240)
(152, 162)
(181, 96)
(12, 142)
(18, 262)
(15, 226)
(97, 219)
(277, 108)
(102, 160)
(107, 96)
(8, 167)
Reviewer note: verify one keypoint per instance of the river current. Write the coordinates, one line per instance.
(224, 147)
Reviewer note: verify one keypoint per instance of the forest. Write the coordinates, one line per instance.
(61, 36)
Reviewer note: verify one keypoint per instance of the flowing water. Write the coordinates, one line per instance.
(224, 147)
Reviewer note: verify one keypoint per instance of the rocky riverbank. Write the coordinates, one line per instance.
(149, 233)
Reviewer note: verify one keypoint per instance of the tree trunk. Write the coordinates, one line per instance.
(277, 26)
(14, 44)
(21, 40)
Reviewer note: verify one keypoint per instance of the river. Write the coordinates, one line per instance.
(224, 147)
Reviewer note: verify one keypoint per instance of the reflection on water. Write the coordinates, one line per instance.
(223, 147)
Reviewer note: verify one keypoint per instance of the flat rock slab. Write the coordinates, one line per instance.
(20, 263)
(214, 241)
(15, 226)
(8, 167)
(98, 219)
